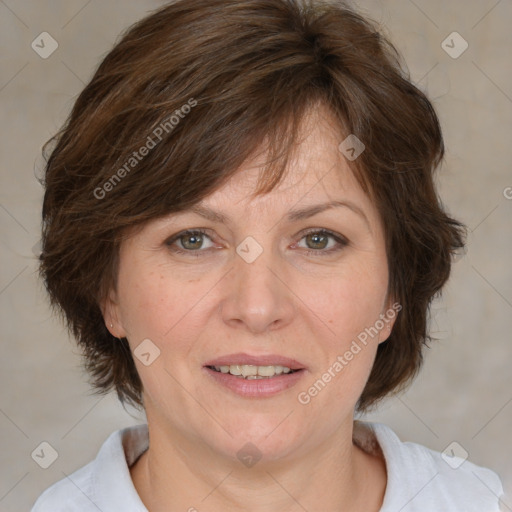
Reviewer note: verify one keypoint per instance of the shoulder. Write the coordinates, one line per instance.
(104, 482)
(421, 479)
(73, 493)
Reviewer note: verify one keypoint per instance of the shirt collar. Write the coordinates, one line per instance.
(114, 489)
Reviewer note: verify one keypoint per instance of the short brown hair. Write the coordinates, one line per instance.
(248, 71)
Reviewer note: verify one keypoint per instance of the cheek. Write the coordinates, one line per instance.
(351, 310)
(149, 304)
(350, 300)
(160, 305)
(350, 304)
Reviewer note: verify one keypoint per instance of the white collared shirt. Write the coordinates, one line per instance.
(419, 479)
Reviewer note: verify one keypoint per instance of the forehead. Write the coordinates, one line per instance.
(317, 170)
(317, 173)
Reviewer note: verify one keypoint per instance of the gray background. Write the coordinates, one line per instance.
(463, 393)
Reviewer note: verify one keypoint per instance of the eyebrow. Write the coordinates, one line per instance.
(291, 216)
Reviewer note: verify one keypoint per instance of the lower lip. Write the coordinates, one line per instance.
(256, 388)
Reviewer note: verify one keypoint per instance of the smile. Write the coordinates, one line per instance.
(251, 372)
(254, 386)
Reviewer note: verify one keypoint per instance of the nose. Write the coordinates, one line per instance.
(259, 296)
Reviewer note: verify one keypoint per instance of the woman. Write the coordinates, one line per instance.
(242, 231)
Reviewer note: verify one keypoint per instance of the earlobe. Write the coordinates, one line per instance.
(388, 317)
(385, 333)
(109, 308)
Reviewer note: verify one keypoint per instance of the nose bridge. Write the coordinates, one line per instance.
(255, 262)
(257, 295)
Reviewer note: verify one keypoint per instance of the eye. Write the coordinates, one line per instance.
(319, 242)
(323, 242)
(190, 242)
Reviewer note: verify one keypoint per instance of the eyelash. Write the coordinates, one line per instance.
(342, 242)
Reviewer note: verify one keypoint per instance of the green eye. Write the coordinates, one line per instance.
(190, 241)
(318, 242)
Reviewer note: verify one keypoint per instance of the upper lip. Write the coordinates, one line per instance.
(261, 360)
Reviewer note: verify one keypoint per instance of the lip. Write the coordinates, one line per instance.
(256, 388)
(262, 360)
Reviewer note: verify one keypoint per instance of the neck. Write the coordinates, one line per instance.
(183, 474)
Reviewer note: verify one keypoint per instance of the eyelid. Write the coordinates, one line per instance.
(326, 231)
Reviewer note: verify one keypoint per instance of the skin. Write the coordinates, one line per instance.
(305, 306)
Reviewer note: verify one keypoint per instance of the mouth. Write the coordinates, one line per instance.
(255, 376)
(252, 372)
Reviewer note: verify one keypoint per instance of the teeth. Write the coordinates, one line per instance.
(235, 369)
(265, 371)
(250, 372)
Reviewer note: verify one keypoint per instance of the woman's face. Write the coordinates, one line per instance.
(266, 286)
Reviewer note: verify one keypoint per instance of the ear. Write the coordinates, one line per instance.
(388, 317)
(111, 314)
